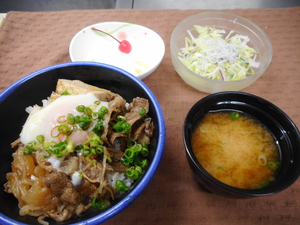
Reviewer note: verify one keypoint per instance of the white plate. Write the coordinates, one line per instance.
(148, 48)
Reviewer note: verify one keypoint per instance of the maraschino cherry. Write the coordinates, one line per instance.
(124, 46)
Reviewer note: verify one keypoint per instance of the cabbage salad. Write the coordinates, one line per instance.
(218, 56)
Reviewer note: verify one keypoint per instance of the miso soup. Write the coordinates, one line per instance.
(236, 149)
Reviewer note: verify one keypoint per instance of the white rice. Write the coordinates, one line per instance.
(112, 178)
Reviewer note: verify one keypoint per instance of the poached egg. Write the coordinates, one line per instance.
(43, 120)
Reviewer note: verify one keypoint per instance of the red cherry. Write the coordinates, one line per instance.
(124, 46)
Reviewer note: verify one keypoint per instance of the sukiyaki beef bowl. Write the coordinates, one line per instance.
(80, 141)
(240, 145)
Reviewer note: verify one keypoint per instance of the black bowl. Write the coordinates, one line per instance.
(279, 124)
(35, 87)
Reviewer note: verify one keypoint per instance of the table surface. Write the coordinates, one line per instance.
(173, 196)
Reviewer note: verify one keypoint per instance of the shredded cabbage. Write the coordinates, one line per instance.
(216, 56)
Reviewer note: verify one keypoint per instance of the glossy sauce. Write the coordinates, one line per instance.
(239, 151)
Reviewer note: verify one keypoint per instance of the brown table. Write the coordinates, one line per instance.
(31, 41)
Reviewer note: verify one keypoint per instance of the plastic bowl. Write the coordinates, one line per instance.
(228, 22)
(34, 87)
(277, 122)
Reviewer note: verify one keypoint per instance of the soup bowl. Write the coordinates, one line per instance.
(281, 127)
(35, 87)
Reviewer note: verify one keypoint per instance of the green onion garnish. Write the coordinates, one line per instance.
(121, 186)
(234, 115)
(122, 126)
(142, 112)
(100, 203)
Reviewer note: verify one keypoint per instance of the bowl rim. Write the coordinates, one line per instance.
(143, 74)
(136, 191)
(174, 54)
(195, 163)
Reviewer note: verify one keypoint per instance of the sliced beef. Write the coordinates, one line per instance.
(115, 154)
(70, 165)
(16, 143)
(142, 132)
(118, 141)
(62, 187)
(149, 129)
(116, 107)
(119, 167)
(88, 189)
(135, 108)
(138, 131)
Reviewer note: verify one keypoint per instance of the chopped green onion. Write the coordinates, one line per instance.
(271, 178)
(99, 149)
(26, 152)
(256, 186)
(262, 160)
(32, 146)
(70, 146)
(264, 184)
(126, 161)
(140, 162)
(138, 169)
(70, 118)
(98, 128)
(142, 112)
(80, 108)
(103, 110)
(61, 119)
(63, 128)
(77, 119)
(132, 173)
(46, 154)
(273, 165)
(122, 126)
(89, 159)
(65, 93)
(100, 203)
(84, 125)
(61, 148)
(40, 138)
(234, 115)
(144, 150)
(85, 150)
(85, 118)
(108, 159)
(88, 111)
(95, 115)
(134, 156)
(94, 143)
(121, 186)
(97, 102)
(130, 153)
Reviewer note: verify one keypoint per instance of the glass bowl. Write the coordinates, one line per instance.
(228, 22)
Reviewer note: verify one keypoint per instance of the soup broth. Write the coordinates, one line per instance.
(236, 149)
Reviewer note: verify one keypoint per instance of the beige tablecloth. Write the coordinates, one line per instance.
(31, 41)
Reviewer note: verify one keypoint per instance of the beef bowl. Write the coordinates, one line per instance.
(93, 161)
(240, 145)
